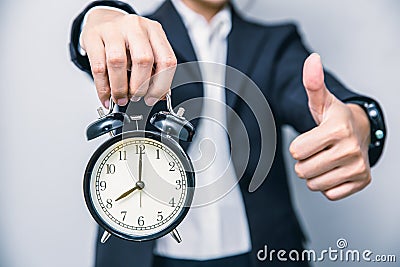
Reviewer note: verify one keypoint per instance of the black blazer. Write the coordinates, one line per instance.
(273, 57)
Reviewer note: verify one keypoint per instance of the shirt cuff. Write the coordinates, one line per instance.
(80, 49)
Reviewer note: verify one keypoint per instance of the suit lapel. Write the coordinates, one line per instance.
(176, 31)
(186, 86)
(244, 43)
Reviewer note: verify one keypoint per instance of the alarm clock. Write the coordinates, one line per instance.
(138, 185)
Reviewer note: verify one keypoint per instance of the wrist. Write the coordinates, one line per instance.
(362, 124)
(376, 119)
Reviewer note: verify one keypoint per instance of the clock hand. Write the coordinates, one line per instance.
(127, 193)
(140, 177)
(140, 166)
(139, 185)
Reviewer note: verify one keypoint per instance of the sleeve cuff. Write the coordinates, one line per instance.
(377, 124)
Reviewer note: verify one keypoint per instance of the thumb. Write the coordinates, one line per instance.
(319, 97)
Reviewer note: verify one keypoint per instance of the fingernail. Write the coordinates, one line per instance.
(135, 98)
(107, 103)
(122, 102)
(151, 101)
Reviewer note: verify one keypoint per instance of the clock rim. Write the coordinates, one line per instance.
(165, 140)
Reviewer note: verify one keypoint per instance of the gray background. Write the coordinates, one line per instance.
(47, 103)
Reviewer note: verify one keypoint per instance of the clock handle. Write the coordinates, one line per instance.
(173, 124)
(180, 111)
(175, 234)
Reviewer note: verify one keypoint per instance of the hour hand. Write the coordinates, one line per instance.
(127, 193)
(139, 185)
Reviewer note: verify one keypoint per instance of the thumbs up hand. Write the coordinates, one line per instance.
(332, 157)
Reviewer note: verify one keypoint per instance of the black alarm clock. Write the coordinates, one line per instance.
(138, 185)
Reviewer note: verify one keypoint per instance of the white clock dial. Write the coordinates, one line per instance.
(135, 200)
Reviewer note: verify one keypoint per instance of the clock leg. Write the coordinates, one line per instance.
(176, 236)
(105, 237)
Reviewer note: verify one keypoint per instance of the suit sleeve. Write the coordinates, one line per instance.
(289, 96)
(82, 61)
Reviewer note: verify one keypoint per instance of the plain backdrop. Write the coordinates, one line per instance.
(46, 104)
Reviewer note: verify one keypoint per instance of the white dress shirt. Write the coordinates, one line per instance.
(218, 229)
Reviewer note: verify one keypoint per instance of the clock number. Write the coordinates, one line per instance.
(172, 202)
(178, 184)
(123, 213)
(158, 153)
(159, 216)
(110, 168)
(140, 221)
(103, 185)
(140, 149)
(109, 204)
(122, 155)
(172, 165)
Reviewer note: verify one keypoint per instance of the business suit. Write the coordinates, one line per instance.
(272, 56)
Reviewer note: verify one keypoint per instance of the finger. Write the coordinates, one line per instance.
(345, 190)
(343, 154)
(117, 61)
(96, 53)
(311, 142)
(323, 162)
(334, 178)
(165, 62)
(313, 79)
(142, 63)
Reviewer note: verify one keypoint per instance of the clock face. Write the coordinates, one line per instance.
(138, 187)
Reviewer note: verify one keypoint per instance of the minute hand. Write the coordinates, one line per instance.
(140, 166)
(140, 177)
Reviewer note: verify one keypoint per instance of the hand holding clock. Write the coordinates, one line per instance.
(114, 43)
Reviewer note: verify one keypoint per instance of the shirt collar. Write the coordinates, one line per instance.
(221, 23)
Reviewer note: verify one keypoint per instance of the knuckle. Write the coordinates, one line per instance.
(116, 60)
(342, 131)
(312, 185)
(132, 18)
(105, 27)
(350, 151)
(144, 60)
(298, 170)
(98, 68)
(362, 168)
(359, 186)
(293, 151)
(353, 150)
(103, 93)
(167, 62)
(368, 180)
(331, 195)
(156, 24)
